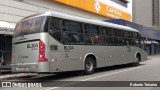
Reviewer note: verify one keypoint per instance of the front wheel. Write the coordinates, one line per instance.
(89, 66)
(137, 60)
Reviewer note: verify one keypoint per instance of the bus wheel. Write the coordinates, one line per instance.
(89, 66)
(137, 60)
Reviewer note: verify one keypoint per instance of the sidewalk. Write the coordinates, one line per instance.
(7, 74)
(154, 56)
(15, 75)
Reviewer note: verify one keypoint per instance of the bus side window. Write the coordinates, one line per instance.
(109, 36)
(109, 31)
(103, 35)
(92, 34)
(117, 36)
(54, 28)
(127, 37)
(109, 40)
(88, 39)
(138, 41)
(72, 32)
(134, 38)
(117, 33)
(91, 29)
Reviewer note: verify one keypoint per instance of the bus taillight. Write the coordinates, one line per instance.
(42, 51)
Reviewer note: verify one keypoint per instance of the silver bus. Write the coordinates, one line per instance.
(57, 42)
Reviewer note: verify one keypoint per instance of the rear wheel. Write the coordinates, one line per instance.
(89, 66)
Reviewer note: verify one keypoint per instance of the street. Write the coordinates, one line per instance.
(146, 71)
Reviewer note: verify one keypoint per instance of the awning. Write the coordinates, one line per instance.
(150, 42)
(145, 31)
(147, 42)
(6, 28)
(155, 42)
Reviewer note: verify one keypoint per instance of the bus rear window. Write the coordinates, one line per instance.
(29, 26)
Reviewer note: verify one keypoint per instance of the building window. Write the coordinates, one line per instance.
(121, 2)
(124, 1)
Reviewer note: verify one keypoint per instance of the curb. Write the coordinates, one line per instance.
(13, 76)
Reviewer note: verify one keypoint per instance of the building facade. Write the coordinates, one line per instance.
(11, 11)
(142, 12)
(147, 13)
(156, 14)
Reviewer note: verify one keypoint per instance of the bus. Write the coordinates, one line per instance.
(54, 41)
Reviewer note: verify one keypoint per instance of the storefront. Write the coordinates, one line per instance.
(6, 32)
(151, 47)
(152, 37)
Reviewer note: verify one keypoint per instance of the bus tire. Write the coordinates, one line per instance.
(137, 60)
(89, 66)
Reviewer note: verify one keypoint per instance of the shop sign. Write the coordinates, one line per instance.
(95, 6)
(6, 30)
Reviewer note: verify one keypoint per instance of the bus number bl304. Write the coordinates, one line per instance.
(68, 47)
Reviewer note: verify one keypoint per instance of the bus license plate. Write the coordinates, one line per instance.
(22, 69)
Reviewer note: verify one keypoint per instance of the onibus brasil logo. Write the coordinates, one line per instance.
(97, 6)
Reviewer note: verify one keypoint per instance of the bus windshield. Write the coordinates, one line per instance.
(29, 26)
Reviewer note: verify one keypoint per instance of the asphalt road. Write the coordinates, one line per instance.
(146, 71)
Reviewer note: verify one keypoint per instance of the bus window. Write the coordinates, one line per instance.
(109, 31)
(102, 38)
(103, 31)
(126, 34)
(73, 38)
(127, 41)
(109, 36)
(76, 38)
(97, 40)
(72, 32)
(133, 42)
(117, 32)
(29, 26)
(89, 39)
(91, 29)
(92, 34)
(138, 40)
(118, 41)
(72, 26)
(94, 39)
(54, 28)
(109, 40)
(135, 35)
(117, 37)
(135, 39)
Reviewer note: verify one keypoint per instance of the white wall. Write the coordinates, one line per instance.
(12, 10)
(142, 12)
(64, 8)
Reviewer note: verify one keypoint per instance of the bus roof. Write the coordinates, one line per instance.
(68, 16)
